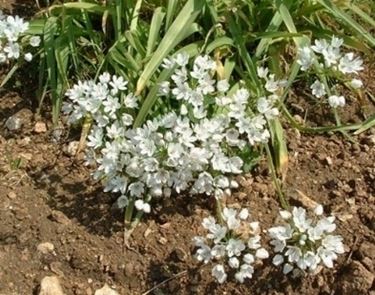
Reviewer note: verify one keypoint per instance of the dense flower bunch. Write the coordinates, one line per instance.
(327, 58)
(303, 243)
(11, 30)
(236, 244)
(192, 147)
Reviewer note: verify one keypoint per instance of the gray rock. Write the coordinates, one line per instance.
(13, 123)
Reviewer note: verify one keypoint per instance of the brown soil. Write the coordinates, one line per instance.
(46, 196)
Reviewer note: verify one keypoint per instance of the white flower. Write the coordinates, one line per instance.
(287, 268)
(222, 85)
(142, 206)
(331, 55)
(356, 83)
(35, 41)
(164, 88)
(105, 78)
(130, 101)
(248, 258)
(318, 89)
(12, 50)
(28, 57)
(136, 189)
(244, 214)
(230, 247)
(234, 262)
(262, 253)
(219, 273)
(336, 101)
(168, 63)
(122, 202)
(235, 247)
(253, 242)
(218, 251)
(204, 253)
(348, 64)
(320, 46)
(182, 59)
(336, 42)
(309, 244)
(262, 72)
(300, 220)
(118, 84)
(285, 214)
(230, 216)
(246, 271)
(318, 210)
(278, 259)
(264, 107)
(305, 58)
(294, 253)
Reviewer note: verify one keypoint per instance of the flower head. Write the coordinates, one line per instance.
(302, 243)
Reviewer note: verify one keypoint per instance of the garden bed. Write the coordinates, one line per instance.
(48, 196)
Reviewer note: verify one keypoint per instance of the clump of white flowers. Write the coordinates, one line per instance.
(303, 243)
(330, 61)
(194, 145)
(12, 28)
(234, 245)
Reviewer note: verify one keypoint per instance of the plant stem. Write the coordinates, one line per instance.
(302, 128)
(129, 213)
(283, 201)
(219, 211)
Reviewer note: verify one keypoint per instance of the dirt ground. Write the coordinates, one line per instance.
(47, 196)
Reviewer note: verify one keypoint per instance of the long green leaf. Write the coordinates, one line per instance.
(171, 11)
(172, 37)
(89, 7)
(154, 33)
(361, 14)
(192, 50)
(289, 23)
(339, 14)
(50, 30)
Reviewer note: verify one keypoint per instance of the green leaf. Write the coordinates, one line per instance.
(219, 42)
(192, 50)
(280, 150)
(339, 14)
(36, 27)
(89, 7)
(154, 33)
(171, 39)
(50, 30)
(370, 122)
(289, 23)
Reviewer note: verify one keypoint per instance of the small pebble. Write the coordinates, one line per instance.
(12, 195)
(46, 248)
(50, 285)
(40, 127)
(106, 290)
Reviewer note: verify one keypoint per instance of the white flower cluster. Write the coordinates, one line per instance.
(236, 244)
(329, 59)
(11, 29)
(303, 243)
(195, 149)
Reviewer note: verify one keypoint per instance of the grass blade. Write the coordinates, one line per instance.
(172, 37)
(338, 13)
(156, 22)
